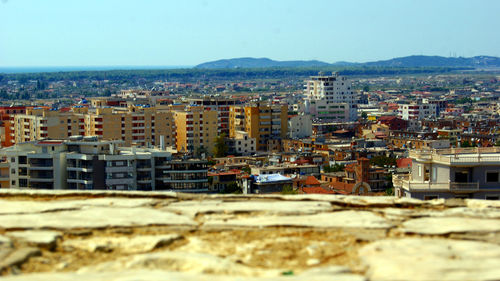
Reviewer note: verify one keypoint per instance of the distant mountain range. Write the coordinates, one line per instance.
(410, 61)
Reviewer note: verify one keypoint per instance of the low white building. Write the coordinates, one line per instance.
(417, 111)
(88, 163)
(36, 164)
(243, 144)
(451, 173)
(300, 126)
(328, 111)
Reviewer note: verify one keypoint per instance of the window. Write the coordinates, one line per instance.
(430, 197)
(13, 160)
(491, 176)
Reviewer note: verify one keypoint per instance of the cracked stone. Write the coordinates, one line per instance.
(431, 259)
(445, 225)
(42, 238)
(95, 217)
(342, 219)
(129, 245)
(271, 207)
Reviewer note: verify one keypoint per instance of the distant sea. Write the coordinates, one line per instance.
(38, 69)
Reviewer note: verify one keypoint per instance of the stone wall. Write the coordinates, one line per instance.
(99, 235)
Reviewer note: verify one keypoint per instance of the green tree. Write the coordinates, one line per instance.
(334, 168)
(497, 143)
(288, 189)
(221, 147)
(364, 115)
(465, 144)
(232, 188)
(366, 88)
(383, 160)
(199, 150)
(246, 170)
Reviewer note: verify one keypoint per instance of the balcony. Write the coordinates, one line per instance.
(40, 179)
(80, 181)
(119, 181)
(143, 167)
(452, 186)
(118, 169)
(165, 180)
(459, 156)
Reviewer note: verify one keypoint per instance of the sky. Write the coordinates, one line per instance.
(189, 32)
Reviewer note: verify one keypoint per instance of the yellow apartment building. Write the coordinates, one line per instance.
(265, 123)
(196, 129)
(135, 125)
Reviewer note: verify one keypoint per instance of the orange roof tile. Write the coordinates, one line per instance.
(311, 180)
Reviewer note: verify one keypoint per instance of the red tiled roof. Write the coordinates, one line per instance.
(403, 162)
(341, 187)
(311, 180)
(387, 118)
(316, 190)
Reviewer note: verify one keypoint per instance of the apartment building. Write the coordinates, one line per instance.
(136, 125)
(299, 126)
(330, 98)
(417, 111)
(88, 163)
(219, 105)
(40, 123)
(184, 175)
(38, 165)
(451, 173)
(196, 130)
(6, 116)
(243, 144)
(264, 123)
(141, 125)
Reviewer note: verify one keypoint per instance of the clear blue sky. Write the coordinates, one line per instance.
(184, 32)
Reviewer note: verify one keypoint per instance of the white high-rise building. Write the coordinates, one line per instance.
(326, 93)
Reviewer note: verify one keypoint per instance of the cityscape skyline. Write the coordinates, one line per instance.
(158, 33)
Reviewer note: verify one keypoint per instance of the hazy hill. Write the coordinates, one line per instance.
(258, 63)
(410, 61)
(426, 61)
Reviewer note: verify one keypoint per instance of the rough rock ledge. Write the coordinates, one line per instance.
(111, 235)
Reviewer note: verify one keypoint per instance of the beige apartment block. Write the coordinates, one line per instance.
(42, 123)
(135, 125)
(196, 129)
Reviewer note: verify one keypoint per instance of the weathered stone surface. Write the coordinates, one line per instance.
(129, 245)
(342, 219)
(18, 256)
(444, 225)
(41, 238)
(4, 240)
(118, 235)
(24, 207)
(270, 207)
(154, 275)
(475, 203)
(5, 247)
(94, 217)
(181, 261)
(431, 259)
